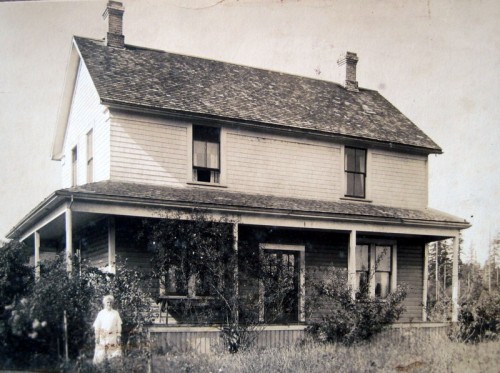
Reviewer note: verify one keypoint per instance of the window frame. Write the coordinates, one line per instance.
(348, 172)
(90, 156)
(301, 318)
(214, 172)
(74, 166)
(372, 273)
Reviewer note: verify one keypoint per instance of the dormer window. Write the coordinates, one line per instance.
(206, 154)
(355, 172)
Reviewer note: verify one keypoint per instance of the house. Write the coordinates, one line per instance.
(321, 173)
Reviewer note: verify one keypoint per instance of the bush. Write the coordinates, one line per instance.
(352, 320)
(16, 279)
(57, 303)
(480, 320)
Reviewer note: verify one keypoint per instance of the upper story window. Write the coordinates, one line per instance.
(355, 172)
(206, 154)
(90, 156)
(74, 166)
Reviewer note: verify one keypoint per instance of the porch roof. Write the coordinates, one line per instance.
(235, 202)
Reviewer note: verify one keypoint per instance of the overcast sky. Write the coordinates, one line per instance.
(438, 61)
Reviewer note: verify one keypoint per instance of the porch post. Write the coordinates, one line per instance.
(36, 237)
(236, 285)
(111, 245)
(69, 239)
(425, 282)
(351, 263)
(454, 281)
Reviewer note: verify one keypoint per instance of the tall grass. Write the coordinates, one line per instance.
(409, 353)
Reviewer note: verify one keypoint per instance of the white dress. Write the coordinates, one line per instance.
(108, 327)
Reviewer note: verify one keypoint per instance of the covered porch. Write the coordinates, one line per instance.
(386, 250)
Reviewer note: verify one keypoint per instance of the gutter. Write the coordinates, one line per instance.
(61, 196)
(42, 209)
(238, 209)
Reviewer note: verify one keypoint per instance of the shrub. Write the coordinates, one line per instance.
(351, 320)
(16, 279)
(479, 320)
(59, 306)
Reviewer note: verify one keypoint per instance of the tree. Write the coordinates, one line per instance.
(195, 262)
(53, 318)
(16, 280)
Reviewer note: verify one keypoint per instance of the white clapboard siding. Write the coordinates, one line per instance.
(86, 113)
(398, 180)
(267, 164)
(102, 149)
(148, 151)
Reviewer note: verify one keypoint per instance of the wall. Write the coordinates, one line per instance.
(283, 166)
(94, 244)
(411, 272)
(398, 180)
(152, 152)
(86, 113)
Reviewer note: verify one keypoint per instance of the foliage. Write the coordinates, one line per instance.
(480, 320)
(408, 352)
(16, 279)
(16, 276)
(60, 307)
(350, 320)
(195, 261)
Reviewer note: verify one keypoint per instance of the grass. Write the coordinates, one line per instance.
(409, 354)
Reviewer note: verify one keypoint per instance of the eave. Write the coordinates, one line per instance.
(265, 126)
(65, 102)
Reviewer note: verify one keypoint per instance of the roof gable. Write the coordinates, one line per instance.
(151, 79)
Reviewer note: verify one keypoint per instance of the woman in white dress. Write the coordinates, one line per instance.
(108, 330)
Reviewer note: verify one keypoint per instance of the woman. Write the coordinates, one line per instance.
(108, 330)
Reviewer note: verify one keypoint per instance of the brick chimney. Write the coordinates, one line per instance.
(114, 13)
(348, 73)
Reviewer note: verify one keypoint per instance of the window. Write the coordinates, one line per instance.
(90, 156)
(206, 154)
(382, 270)
(374, 269)
(74, 168)
(362, 265)
(184, 279)
(282, 284)
(355, 172)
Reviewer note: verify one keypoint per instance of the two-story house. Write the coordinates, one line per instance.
(322, 173)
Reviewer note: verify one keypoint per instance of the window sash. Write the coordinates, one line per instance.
(374, 267)
(355, 172)
(206, 155)
(90, 156)
(74, 166)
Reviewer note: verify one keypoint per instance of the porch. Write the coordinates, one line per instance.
(386, 246)
(104, 239)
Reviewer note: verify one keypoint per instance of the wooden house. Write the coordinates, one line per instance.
(322, 173)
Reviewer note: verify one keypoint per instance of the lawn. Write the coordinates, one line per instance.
(409, 354)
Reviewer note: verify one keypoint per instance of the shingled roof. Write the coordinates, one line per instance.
(151, 79)
(221, 199)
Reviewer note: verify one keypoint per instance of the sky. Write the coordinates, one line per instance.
(437, 61)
